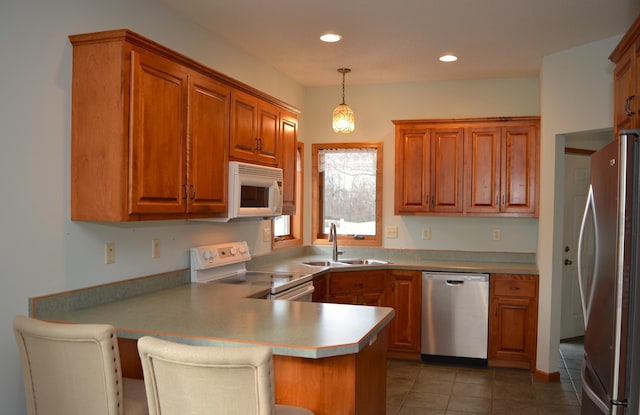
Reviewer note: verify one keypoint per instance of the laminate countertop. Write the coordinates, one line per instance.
(223, 314)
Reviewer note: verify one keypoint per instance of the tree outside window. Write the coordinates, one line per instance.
(348, 191)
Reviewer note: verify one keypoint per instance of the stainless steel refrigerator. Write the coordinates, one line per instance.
(609, 277)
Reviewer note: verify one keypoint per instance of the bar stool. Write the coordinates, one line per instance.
(74, 369)
(194, 380)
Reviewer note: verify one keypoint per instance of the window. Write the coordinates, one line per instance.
(347, 191)
(287, 229)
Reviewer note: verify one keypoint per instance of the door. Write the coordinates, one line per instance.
(597, 265)
(157, 135)
(576, 186)
(207, 145)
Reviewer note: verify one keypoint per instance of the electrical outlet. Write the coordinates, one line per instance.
(109, 253)
(266, 234)
(496, 234)
(426, 234)
(155, 248)
(391, 232)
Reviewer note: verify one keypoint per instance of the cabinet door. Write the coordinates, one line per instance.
(254, 129)
(157, 136)
(623, 104)
(446, 175)
(519, 169)
(244, 126)
(403, 294)
(288, 160)
(512, 333)
(513, 320)
(413, 171)
(357, 287)
(268, 134)
(319, 289)
(482, 170)
(207, 145)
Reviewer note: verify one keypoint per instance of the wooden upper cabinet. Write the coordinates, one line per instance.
(255, 130)
(413, 170)
(501, 168)
(288, 160)
(158, 126)
(428, 170)
(150, 130)
(475, 166)
(209, 108)
(519, 161)
(447, 169)
(626, 80)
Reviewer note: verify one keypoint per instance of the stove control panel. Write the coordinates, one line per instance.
(211, 256)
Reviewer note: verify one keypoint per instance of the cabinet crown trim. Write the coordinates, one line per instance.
(126, 35)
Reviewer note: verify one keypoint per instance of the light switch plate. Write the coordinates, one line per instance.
(426, 234)
(496, 234)
(109, 253)
(391, 232)
(266, 234)
(155, 248)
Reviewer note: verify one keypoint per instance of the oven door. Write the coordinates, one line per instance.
(302, 292)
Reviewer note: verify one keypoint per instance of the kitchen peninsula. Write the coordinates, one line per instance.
(330, 358)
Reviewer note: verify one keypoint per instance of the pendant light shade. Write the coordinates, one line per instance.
(343, 118)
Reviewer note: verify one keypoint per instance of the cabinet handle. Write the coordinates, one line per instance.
(514, 288)
(627, 106)
(258, 143)
(193, 192)
(393, 287)
(497, 200)
(186, 191)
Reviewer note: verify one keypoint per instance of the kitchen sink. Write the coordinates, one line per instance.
(344, 262)
(364, 261)
(324, 263)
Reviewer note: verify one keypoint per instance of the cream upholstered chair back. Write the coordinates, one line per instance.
(71, 369)
(195, 380)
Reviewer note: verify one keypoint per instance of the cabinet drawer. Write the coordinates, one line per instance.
(515, 287)
(356, 282)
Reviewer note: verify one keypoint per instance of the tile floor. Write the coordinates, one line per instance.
(417, 388)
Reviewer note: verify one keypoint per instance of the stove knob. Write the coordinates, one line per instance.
(232, 251)
(242, 250)
(209, 255)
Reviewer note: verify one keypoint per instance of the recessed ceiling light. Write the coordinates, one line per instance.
(330, 37)
(448, 58)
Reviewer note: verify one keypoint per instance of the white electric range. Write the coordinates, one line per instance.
(226, 263)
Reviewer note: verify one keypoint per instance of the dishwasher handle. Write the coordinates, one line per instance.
(452, 278)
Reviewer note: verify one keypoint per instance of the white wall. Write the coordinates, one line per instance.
(376, 105)
(576, 90)
(42, 251)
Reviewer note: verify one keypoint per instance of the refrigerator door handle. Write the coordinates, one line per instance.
(585, 296)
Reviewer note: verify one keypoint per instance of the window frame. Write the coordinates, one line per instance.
(318, 235)
(294, 238)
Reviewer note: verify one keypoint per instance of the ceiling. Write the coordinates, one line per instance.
(388, 41)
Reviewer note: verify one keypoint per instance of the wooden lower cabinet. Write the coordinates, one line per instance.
(398, 289)
(352, 384)
(357, 287)
(513, 320)
(319, 289)
(404, 295)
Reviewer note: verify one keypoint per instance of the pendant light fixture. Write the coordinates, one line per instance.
(343, 119)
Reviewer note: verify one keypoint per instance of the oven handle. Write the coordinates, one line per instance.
(295, 293)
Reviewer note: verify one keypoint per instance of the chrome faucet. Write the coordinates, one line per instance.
(333, 237)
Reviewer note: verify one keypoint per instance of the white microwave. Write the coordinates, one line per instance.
(254, 191)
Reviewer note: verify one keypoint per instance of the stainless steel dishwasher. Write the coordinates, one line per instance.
(455, 316)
